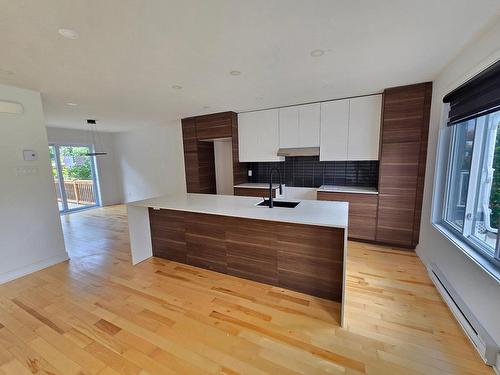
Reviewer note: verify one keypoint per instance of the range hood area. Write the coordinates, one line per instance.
(299, 151)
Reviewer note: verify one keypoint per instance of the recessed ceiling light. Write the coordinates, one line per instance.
(177, 87)
(71, 104)
(68, 33)
(317, 52)
(6, 72)
(235, 72)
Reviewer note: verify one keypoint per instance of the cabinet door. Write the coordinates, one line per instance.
(289, 127)
(258, 135)
(309, 125)
(364, 128)
(334, 130)
(247, 136)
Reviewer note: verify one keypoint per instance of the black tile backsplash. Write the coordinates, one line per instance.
(308, 171)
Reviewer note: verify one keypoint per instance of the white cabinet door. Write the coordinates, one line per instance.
(334, 130)
(364, 128)
(247, 136)
(309, 125)
(289, 127)
(258, 136)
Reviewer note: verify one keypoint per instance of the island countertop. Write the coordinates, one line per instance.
(308, 212)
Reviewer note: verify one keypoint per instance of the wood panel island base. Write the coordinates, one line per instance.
(302, 249)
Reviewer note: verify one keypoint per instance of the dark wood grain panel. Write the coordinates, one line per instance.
(359, 204)
(394, 236)
(252, 269)
(299, 257)
(168, 235)
(362, 227)
(310, 285)
(240, 170)
(362, 212)
(253, 192)
(199, 158)
(397, 218)
(213, 126)
(404, 133)
(422, 165)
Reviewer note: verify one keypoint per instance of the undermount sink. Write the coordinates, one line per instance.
(284, 204)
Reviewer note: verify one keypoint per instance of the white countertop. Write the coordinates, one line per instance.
(310, 212)
(347, 189)
(255, 185)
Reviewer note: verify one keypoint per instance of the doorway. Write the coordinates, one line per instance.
(75, 177)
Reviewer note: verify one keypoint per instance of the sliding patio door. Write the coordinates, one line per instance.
(75, 177)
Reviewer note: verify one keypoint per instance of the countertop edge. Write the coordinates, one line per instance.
(245, 216)
(348, 191)
(256, 213)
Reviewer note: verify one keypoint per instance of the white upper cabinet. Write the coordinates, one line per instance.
(299, 126)
(258, 136)
(364, 128)
(350, 129)
(309, 125)
(334, 130)
(346, 129)
(289, 127)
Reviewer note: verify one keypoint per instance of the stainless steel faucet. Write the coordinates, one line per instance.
(271, 172)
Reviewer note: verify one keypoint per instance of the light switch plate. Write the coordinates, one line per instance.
(26, 171)
(30, 155)
(249, 173)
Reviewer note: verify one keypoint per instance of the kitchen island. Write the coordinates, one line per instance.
(301, 249)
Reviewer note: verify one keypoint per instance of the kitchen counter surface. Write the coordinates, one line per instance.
(347, 189)
(255, 185)
(309, 212)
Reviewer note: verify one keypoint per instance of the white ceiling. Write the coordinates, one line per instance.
(130, 53)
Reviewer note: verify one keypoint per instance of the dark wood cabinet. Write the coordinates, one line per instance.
(168, 235)
(403, 151)
(253, 192)
(205, 241)
(362, 212)
(214, 126)
(252, 251)
(199, 158)
(304, 258)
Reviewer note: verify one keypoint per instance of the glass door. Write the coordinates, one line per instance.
(75, 177)
(55, 176)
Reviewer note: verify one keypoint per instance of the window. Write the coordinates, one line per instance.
(75, 177)
(471, 204)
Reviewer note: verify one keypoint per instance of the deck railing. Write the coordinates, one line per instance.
(77, 191)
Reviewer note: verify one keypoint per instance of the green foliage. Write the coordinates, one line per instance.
(74, 172)
(495, 187)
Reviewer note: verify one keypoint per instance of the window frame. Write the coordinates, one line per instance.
(462, 238)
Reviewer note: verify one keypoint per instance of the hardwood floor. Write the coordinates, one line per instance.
(96, 314)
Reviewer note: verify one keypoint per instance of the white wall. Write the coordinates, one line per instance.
(223, 150)
(480, 292)
(31, 235)
(110, 184)
(151, 162)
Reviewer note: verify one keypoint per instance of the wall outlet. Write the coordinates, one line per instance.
(249, 173)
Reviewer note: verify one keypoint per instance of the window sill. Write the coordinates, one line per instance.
(486, 264)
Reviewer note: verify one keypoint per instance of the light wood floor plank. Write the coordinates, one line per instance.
(96, 314)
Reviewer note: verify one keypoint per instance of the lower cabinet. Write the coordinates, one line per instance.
(362, 212)
(303, 258)
(253, 192)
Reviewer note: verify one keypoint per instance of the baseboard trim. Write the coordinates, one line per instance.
(23, 271)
